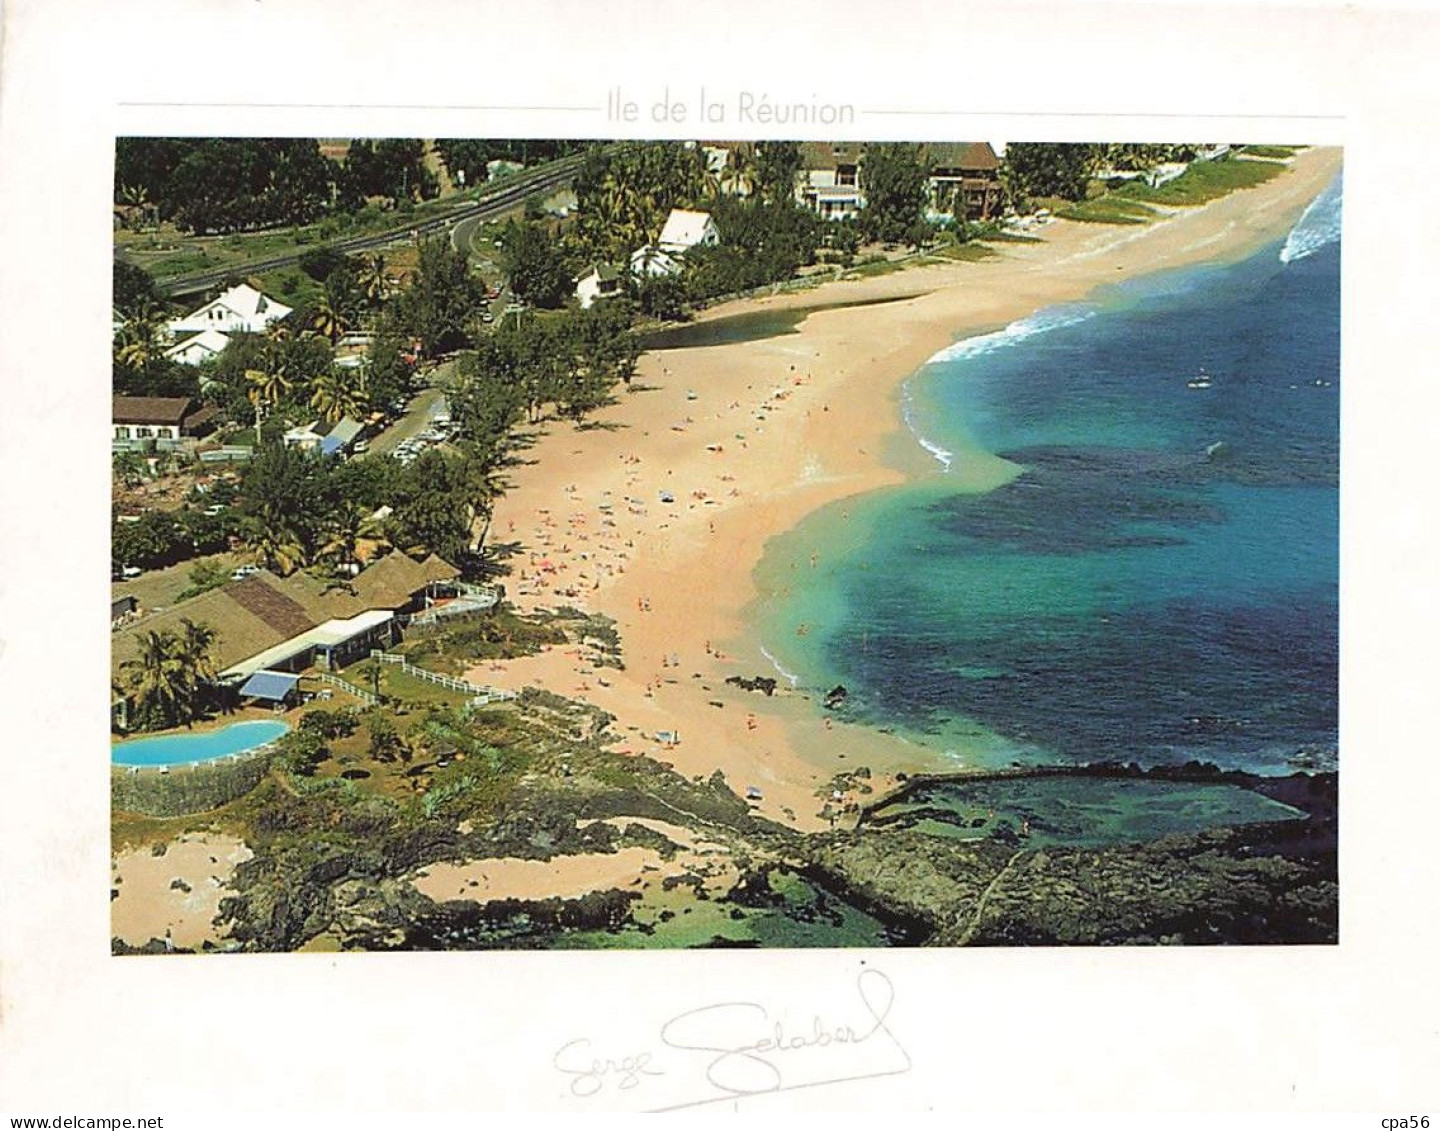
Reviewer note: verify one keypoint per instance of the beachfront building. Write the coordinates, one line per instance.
(601, 281)
(198, 348)
(829, 181)
(158, 422)
(965, 173)
(832, 178)
(265, 623)
(241, 309)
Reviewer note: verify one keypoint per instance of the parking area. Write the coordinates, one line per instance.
(427, 413)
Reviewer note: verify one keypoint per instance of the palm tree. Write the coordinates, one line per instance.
(196, 642)
(338, 393)
(372, 280)
(330, 319)
(738, 176)
(140, 339)
(348, 528)
(165, 678)
(266, 389)
(281, 548)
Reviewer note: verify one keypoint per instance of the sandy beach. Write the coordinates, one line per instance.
(658, 517)
(175, 894)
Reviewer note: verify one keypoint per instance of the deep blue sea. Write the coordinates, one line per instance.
(1159, 580)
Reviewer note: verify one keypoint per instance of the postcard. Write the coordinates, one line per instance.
(568, 527)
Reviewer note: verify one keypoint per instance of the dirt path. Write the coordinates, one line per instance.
(964, 939)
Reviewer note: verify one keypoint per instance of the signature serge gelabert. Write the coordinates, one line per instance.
(739, 1049)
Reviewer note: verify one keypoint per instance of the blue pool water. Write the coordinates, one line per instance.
(202, 746)
(1158, 581)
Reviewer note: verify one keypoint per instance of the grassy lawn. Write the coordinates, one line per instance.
(1111, 209)
(1203, 181)
(292, 286)
(397, 684)
(964, 252)
(496, 636)
(1277, 152)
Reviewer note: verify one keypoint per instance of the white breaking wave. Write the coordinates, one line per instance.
(1013, 334)
(774, 663)
(907, 412)
(1318, 225)
(978, 346)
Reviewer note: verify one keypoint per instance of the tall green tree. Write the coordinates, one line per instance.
(1034, 169)
(442, 300)
(894, 179)
(265, 388)
(167, 677)
(283, 498)
(777, 168)
(538, 272)
(337, 393)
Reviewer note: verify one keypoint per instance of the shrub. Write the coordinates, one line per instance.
(331, 724)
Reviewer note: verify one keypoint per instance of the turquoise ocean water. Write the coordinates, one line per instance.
(1158, 582)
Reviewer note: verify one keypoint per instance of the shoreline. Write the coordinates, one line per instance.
(746, 440)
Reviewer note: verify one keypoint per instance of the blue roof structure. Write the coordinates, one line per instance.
(270, 685)
(341, 436)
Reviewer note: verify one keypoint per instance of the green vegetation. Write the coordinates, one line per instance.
(225, 184)
(895, 194)
(1110, 209)
(1204, 181)
(167, 680)
(500, 634)
(138, 798)
(1034, 169)
(1276, 152)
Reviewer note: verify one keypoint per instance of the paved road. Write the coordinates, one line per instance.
(503, 197)
(416, 419)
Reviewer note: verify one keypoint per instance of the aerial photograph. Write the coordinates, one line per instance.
(538, 544)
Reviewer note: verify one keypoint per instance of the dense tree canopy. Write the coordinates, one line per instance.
(896, 188)
(760, 242)
(777, 167)
(1043, 169)
(442, 300)
(225, 184)
(539, 273)
(625, 194)
(390, 167)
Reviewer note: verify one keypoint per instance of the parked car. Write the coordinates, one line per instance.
(242, 572)
(130, 572)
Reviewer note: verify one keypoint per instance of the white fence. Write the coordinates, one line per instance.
(479, 694)
(348, 688)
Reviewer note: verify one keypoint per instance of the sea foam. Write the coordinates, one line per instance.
(1053, 319)
(978, 346)
(1318, 225)
(790, 677)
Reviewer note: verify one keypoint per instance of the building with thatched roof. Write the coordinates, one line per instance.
(269, 623)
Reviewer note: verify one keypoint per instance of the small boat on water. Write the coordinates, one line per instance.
(1199, 381)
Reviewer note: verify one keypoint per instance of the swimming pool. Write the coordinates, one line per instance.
(201, 746)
